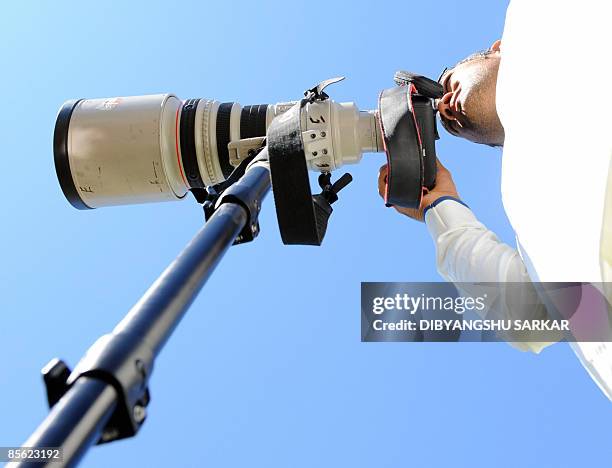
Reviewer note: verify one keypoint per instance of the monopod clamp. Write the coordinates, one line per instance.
(120, 361)
(236, 189)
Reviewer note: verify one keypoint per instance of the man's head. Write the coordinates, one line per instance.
(467, 108)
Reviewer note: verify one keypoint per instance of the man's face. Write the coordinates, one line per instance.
(467, 108)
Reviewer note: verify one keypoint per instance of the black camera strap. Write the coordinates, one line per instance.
(302, 217)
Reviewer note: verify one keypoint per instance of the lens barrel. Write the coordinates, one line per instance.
(145, 149)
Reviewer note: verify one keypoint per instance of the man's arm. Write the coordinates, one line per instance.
(468, 252)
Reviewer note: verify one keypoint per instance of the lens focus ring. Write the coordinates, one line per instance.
(223, 137)
(188, 147)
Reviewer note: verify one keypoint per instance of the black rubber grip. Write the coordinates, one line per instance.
(188, 147)
(60, 155)
(426, 121)
(223, 137)
(253, 121)
(404, 152)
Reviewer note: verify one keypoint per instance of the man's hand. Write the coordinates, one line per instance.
(445, 187)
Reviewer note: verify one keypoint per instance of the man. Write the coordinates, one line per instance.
(540, 93)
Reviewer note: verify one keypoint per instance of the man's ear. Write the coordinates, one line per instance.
(496, 47)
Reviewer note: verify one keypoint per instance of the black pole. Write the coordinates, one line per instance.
(104, 398)
(75, 422)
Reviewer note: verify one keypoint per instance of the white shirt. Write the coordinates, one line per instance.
(553, 102)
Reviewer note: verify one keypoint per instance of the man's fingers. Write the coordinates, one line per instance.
(441, 166)
(382, 180)
(443, 173)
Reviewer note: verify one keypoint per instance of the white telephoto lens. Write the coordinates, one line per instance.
(119, 151)
(147, 149)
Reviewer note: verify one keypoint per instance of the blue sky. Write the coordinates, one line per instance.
(267, 369)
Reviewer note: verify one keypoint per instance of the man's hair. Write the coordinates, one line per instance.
(476, 55)
(480, 54)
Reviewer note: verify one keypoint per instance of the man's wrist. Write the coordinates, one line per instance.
(447, 215)
(440, 200)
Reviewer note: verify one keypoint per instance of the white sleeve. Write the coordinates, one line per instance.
(468, 252)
